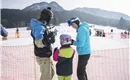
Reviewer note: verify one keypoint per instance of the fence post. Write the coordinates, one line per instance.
(35, 75)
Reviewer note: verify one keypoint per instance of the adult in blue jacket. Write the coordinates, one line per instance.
(4, 33)
(82, 44)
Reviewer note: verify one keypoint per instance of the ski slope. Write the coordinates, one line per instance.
(97, 43)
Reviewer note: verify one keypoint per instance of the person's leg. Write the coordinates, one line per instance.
(60, 77)
(68, 78)
(52, 70)
(81, 69)
(44, 68)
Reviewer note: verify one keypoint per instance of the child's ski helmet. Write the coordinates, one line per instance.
(65, 39)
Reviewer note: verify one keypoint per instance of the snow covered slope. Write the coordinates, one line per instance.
(97, 43)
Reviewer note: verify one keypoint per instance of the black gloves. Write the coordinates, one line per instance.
(55, 49)
(72, 41)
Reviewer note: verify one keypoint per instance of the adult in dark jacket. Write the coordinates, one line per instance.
(42, 43)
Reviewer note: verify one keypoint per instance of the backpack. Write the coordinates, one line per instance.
(50, 37)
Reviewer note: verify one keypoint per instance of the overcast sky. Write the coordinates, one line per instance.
(122, 6)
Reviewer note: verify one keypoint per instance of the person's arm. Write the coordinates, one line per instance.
(80, 38)
(4, 33)
(56, 55)
(74, 51)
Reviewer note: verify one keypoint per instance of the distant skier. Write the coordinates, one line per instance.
(125, 34)
(100, 34)
(17, 33)
(122, 35)
(128, 34)
(103, 34)
(111, 30)
(90, 32)
(111, 33)
(4, 33)
(64, 55)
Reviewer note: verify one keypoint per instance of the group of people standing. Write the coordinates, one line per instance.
(125, 35)
(43, 38)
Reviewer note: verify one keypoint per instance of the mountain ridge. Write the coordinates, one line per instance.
(94, 11)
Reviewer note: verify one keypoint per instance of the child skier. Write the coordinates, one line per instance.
(64, 56)
(17, 34)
